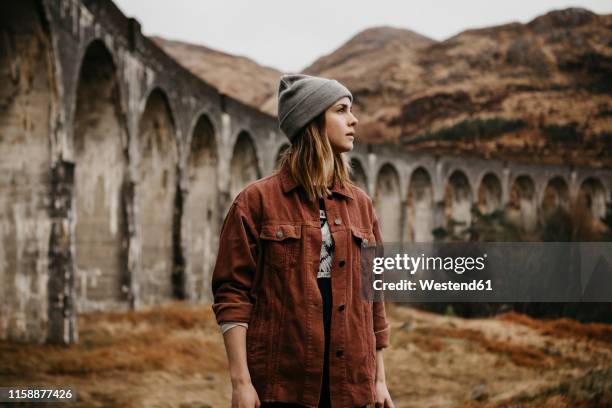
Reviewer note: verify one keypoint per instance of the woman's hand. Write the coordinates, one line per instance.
(245, 396)
(383, 398)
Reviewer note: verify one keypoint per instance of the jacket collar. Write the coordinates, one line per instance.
(288, 183)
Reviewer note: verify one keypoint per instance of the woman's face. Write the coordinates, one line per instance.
(340, 125)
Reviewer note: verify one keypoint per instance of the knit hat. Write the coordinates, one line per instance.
(301, 98)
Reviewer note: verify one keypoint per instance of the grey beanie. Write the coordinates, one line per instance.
(301, 98)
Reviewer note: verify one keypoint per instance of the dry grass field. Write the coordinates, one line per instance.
(173, 356)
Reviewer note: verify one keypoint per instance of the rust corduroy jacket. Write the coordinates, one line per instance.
(265, 275)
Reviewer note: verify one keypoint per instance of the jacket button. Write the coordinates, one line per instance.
(339, 353)
(342, 263)
(337, 221)
(279, 234)
(341, 307)
(365, 242)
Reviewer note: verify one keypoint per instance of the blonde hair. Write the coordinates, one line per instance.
(312, 162)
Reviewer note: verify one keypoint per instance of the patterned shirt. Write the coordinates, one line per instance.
(327, 248)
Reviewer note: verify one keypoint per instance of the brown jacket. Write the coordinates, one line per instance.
(266, 275)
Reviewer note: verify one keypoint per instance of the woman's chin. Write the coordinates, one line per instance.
(346, 147)
(338, 151)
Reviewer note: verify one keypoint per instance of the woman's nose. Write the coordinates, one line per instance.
(353, 120)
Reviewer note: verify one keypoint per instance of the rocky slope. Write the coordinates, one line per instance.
(238, 77)
(539, 91)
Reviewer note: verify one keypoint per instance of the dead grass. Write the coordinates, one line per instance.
(526, 356)
(564, 328)
(171, 338)
(173, 356)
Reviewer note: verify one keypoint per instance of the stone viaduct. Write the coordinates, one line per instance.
(117, 166)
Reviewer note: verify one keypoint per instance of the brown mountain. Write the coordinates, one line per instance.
(364, 60)
(236, 76)
(541, 89)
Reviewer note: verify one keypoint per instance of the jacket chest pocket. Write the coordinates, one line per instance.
(363, 238)
(280, 244)
(362, 356)
(363, 247)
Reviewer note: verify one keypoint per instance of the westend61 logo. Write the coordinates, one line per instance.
(488, 272)
(412, 264)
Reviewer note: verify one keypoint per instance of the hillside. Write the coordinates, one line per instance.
(173, 356)
(539, 91)
(238, 77)
(363, 62)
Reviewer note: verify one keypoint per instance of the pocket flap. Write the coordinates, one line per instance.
(364, 237)
(280, 232)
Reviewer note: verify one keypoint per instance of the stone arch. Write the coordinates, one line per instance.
(522, 205)
(157, 196)
(489, 193)
(591, 201)
(244, 166)
(458, 202)
(358, 174)
(27, 86)
(555, 197)
(279, 154)
(100, 140)
(388, 203)
(420, 203)
(201, 209)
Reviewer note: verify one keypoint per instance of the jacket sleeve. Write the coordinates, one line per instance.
(235, 267)
(381, 325)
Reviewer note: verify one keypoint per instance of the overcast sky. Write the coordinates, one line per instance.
(289, 35)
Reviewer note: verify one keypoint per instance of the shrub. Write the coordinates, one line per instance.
(563, 133)
(471, 129)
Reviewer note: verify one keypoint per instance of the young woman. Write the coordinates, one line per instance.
(286, 283)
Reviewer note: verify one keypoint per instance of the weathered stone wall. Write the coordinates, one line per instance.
(27, 102)
(100, 156)
(118, 165)
(420, 222)
(201, 211)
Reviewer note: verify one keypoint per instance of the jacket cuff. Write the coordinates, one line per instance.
(232, 312)
(382, 338)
